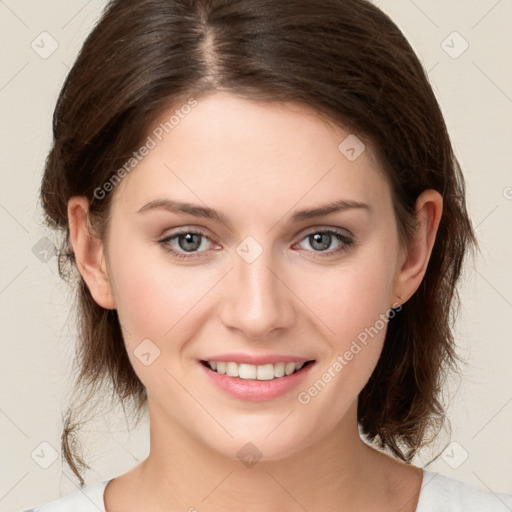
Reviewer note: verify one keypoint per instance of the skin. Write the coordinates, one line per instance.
(256, 163)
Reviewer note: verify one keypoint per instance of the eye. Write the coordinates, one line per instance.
(322, 240)
(185, 244)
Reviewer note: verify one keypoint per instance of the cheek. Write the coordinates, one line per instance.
(155, 304)
(160, 301)
(349, 298)
(151, 295)
(353, 304)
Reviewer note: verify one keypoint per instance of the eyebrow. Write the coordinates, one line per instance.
(210, 213)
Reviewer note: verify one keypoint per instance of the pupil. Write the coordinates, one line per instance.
(317, 237)
(192, 241)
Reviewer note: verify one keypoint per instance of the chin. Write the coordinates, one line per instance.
(265, 442)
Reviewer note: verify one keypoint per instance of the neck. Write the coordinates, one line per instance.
(184, 473)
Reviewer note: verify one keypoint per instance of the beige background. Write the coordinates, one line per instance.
(475, 92)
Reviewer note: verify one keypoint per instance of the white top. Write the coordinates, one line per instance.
(438, 493)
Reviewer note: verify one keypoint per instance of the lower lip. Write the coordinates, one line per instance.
(257, 390)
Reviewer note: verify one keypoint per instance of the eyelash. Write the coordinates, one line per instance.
(346, 243)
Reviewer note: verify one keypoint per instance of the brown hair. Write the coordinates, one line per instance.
(345, 59)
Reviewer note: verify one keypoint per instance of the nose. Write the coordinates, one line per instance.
(257, 300)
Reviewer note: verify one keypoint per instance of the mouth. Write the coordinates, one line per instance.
(264, 372)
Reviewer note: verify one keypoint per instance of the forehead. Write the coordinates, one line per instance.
(239, 153)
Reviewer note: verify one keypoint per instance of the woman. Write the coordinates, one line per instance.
(268, 221)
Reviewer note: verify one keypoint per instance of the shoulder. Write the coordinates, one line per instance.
(442, 493)
(88, 499)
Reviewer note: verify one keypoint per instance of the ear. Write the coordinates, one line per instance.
(429, 208)
(89, 252)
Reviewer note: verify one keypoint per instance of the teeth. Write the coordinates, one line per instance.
(247, 371)
(264, 372)
(231, 369)
(279, 369)
(289, 368)
(251, 371)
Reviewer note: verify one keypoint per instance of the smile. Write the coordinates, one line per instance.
(256, 372)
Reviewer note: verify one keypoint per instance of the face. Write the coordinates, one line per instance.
(245, 278)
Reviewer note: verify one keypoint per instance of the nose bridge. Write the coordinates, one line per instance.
(257, 302)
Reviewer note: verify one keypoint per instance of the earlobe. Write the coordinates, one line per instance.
(89, 253)
(429, 208)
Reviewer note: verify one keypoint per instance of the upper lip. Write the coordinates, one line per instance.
(257, 360)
